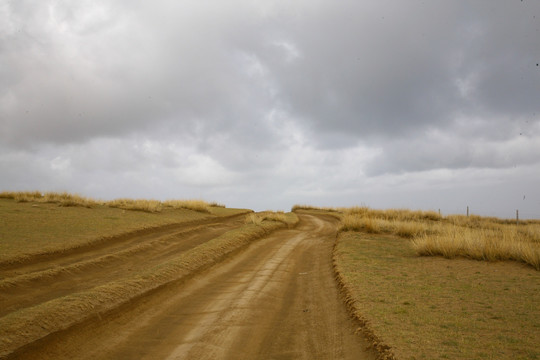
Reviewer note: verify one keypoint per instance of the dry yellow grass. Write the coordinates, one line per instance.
(61, 198)
(197, 205)
(330, 211)
(130, 204)
(67, 199)
(20, 196)
(216, 204)
(492, 244)
(376, 225)
(275, 216)
(393, 214)
(289, 219)
(253, 218)
(310, 207)
(473, 237)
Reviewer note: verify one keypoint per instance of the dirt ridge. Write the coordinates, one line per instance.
(81, 265)
(31, 324)
(38, 283)
(384, 352)
(106, 241)
(274, 299)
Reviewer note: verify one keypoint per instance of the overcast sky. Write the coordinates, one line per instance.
(265, 104)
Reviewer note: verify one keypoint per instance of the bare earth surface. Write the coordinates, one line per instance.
(275, 300)
(61, 275)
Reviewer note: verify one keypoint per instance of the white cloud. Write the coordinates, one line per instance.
(202, 170)
(268, 104)
(289, 49)
(60, 164)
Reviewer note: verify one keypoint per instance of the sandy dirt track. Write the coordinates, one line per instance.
(275, 300)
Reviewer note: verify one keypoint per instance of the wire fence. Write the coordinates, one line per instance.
(516, 214)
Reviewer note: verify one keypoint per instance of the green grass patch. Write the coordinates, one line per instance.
(435, 308)
(31, 228)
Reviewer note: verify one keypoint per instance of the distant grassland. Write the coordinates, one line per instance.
(67, 199)
(414, 281)
(54, 223)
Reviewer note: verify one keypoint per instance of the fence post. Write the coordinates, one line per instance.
(467, 210)
(517, 217)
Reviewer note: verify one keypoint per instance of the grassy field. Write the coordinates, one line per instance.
(36, 226)
(435, 307)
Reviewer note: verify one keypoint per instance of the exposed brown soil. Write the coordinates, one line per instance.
(50, 277)
(277, 299)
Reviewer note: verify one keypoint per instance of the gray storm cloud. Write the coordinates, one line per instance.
(290, 101)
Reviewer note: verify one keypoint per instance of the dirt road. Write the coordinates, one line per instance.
(275, 300)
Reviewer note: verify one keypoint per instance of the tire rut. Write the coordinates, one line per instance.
(275, 300)
(77, 272)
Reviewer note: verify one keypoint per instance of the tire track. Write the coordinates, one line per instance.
(43, 281)
(275, 300)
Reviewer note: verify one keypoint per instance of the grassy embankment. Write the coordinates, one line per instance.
(30, 324)
(32, 224)
(414, 304)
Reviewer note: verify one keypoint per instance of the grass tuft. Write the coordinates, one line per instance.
(152, 206)
(290, 219)
(67, 199)
(480, 244)
(253, 219)
(195, 205)
(216, 204)
(472, 237)
(310, 207)
(61, 198)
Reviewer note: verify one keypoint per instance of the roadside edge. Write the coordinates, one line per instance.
(384, 352)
